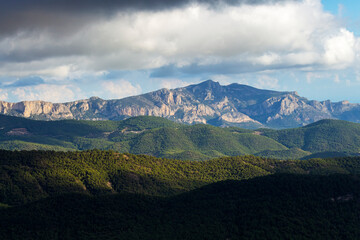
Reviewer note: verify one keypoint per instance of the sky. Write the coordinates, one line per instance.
(65, 50)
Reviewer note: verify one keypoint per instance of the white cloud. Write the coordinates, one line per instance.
(339, 49)
(310, 76)
(47, 92)
(267, 82)
(3, 95)
(173, 83)
(267, 59)
(287, 34)
(55, 68)
(118, 89)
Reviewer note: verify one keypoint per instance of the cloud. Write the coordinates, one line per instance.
(3, 95)
(172, 37)
(339, 49)
(267, 59)
(267, 82)
(47, 92)
(69, 15)
(29, 81)
(174, 83)
(118, 89)
(310, 76)
(35, 88)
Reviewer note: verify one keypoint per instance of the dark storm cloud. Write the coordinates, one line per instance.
(67, 15)
(110, 5)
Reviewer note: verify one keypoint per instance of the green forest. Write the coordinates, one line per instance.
(150, 178)
(160, 137)
(27, 176)
(276, 206)
(99, 194)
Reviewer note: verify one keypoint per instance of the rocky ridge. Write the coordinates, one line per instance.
(207, 102)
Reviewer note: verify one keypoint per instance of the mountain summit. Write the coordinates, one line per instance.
(206, 102)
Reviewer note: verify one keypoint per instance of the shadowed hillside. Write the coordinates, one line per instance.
(271, 207)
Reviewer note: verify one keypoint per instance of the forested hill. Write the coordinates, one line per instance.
(163, 138)
(27, 176)
(108, 195)
(320, 137)
(270, 207)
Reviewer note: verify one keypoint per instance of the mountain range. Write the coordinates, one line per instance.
(207, 102)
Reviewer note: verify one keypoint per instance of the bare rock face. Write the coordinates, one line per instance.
(207, 102)
(237, 117)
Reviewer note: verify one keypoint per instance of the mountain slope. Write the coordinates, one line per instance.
(207, 102)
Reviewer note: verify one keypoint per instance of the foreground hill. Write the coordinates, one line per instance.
(207, 102)
(271, 207)
(27, 176)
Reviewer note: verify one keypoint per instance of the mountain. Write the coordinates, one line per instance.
(207, 102)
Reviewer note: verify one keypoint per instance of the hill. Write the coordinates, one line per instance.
(27, 176)
(164, 138)
(270, 207)
(207, 102)
(140, 135)
(322, 136)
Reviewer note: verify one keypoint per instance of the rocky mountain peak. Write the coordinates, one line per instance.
(209, 84)
(94, 98)
(206, 86)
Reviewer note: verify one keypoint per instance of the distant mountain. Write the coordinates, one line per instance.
(160, 137)
(207, 102)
